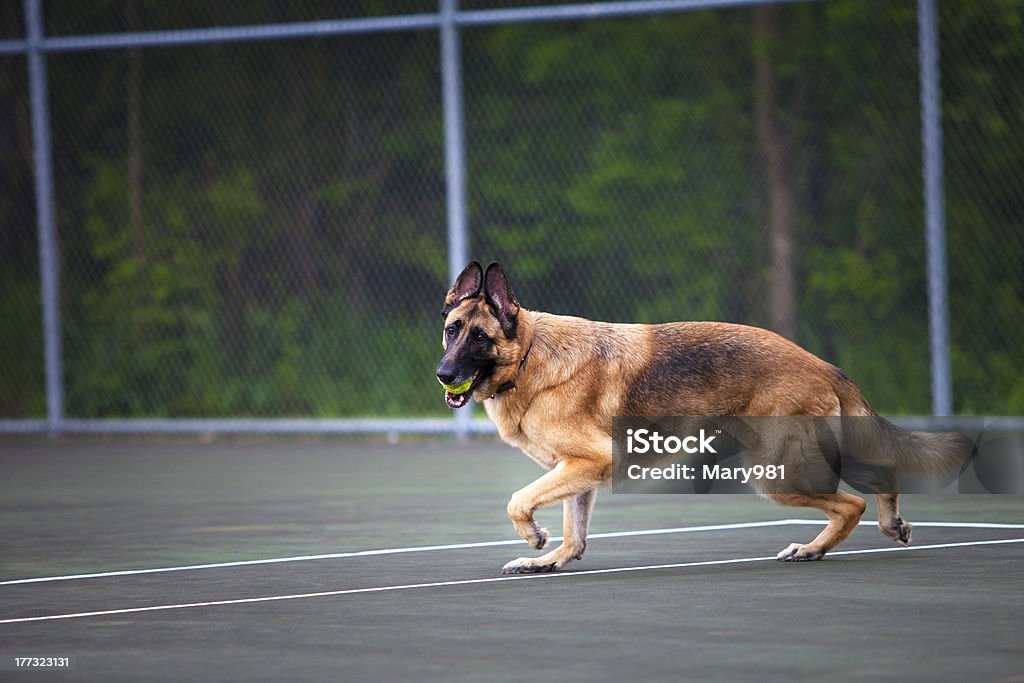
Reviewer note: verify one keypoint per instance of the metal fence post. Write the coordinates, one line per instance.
(48, 257)
(455, 159)
(935, 219)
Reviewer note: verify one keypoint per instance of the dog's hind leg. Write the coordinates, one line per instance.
(889, 521)
(844, 511)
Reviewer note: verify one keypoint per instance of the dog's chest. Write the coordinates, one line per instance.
(537, 452)
(512, 427)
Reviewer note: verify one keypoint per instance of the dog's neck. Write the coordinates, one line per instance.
(511, 384)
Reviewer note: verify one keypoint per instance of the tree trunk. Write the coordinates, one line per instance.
(781, 207)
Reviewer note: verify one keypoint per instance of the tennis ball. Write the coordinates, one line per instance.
(458, 388)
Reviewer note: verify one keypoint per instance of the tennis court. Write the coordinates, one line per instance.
(355, 560)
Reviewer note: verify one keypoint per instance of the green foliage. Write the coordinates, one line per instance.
(21, 348)
(290, 255)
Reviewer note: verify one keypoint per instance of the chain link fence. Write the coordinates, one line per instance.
(258, 228)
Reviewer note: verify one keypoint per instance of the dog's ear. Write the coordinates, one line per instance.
(499, 294)
(467, 285)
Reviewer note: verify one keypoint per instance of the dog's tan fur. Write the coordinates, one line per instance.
(571, 376)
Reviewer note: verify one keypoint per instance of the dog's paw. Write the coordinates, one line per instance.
(539, 539)
(898, 530)
(527, 565)
(795, 552)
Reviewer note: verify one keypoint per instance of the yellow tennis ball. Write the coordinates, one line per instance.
(457, 388)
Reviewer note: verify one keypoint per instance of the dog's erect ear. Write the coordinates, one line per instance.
(499, 294)
(467, 285)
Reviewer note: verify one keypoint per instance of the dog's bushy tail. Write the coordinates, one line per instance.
(934, 455)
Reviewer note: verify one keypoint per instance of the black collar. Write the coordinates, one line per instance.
(511, 384)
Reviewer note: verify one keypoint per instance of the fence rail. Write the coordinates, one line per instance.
(426, 426)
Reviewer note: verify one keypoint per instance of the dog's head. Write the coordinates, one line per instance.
(482, 348)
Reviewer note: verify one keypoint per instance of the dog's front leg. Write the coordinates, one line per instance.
(574, 483)
(575, 520)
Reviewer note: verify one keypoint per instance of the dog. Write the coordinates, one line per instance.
(553, 383)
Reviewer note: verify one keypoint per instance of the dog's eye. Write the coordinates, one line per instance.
(479, 336)
(451, 330)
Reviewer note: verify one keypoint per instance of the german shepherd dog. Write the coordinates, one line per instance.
(553, 383)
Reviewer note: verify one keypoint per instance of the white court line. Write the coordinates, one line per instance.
(484, 544)
(396, 551)
(496, 579)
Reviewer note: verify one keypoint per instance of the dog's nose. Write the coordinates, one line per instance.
(445, 375)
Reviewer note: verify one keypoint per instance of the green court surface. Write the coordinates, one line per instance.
(673, 587)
